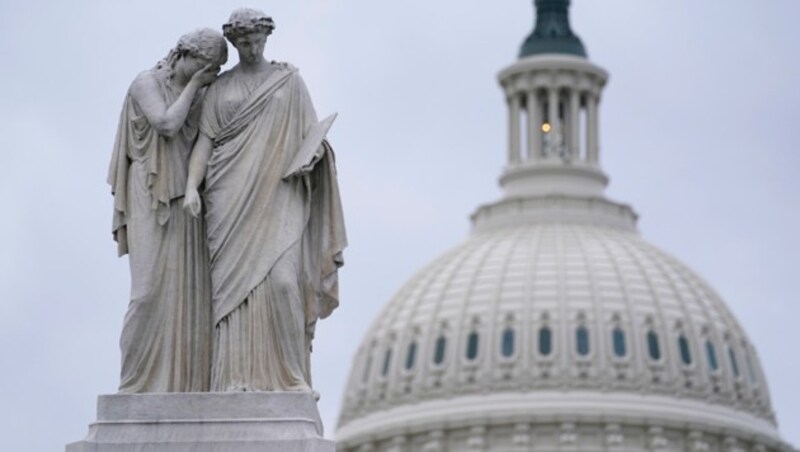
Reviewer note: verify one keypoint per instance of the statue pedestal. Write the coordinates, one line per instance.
(206, 422)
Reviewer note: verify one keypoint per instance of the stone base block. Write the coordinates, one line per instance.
(206, 422)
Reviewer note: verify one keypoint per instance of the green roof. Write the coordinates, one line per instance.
(552, 33)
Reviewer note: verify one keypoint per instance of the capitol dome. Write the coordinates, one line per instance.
(555, 326)
(559, 324)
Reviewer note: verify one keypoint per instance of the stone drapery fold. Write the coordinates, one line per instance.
(165, 342)
(254, 214)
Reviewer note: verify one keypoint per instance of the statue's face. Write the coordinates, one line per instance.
(188, 64)
(250, 47)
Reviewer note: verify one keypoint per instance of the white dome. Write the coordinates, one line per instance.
(488, 305)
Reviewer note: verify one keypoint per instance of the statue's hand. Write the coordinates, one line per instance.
(191, 202)
(206, 75)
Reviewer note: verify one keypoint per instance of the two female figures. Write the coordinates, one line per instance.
(227, 299)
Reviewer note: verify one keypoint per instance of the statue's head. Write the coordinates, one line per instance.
(247, 29)
(244, 21)
(205, 44)
(197, 49)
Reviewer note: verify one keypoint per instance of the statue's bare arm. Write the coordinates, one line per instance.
(197, 172)
(168, 119)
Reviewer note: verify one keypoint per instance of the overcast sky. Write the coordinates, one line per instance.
(700, 126)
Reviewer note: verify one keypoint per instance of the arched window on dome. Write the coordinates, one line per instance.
(507, 343)
(472, 345)
(439, 350)
(582, 340)
(686, 352)
(387, 362)
(545, 341)
(711, 356)
(733, 361)
(411, 355)
(653, 347)
(618, 339)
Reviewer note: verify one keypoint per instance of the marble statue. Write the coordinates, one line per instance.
(165, 341)
(274, 220)
(227, 203)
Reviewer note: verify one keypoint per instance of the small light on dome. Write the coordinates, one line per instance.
(546, 127)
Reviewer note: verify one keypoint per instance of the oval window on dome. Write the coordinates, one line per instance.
(545, 341)
(734, 362)
(711, 356)
(472, 346)
(653, 347)
(507, 343)
(618, 339)
(582, 340)
(411, 355)
(439, 349)
(686, 352)
(387, 362)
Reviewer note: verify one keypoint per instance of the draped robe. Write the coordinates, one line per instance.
(165, 340)
(275, 239)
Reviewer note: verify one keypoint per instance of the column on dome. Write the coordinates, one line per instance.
(592, 122)
(476, 440)
(534, 108)
(574, 124)
(552, 116)
(514, 114)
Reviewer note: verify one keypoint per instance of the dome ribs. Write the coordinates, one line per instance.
(686, 373)
(463, 372)
(560, 274)
(501, 307)
(635, 331)
(656, 283)
(586, 246)
(530, 315)
(437, 375)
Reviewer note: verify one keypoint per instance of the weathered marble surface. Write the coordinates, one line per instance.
(226, 200)
(165, 343)
(275, 223)
(206, 422)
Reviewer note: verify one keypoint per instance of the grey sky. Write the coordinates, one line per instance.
(699, 132)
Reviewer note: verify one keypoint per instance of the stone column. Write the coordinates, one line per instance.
(615, 438)
(476, 441)
(575, 123)
(521, 440)
(513, 128)
(592, 138)
(398, 444)
(534, 125)
(552, 113)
